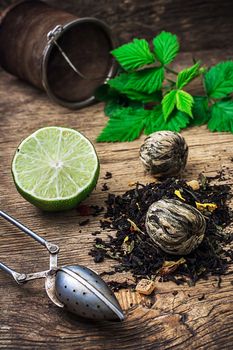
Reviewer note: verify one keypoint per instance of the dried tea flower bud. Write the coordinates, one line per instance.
(164, 153)
(175, 227)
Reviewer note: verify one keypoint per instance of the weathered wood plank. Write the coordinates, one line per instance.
(200, 24)
(28, 320)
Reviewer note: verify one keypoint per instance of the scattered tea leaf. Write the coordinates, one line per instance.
(145, 260)
(134, 227)
(170, 266)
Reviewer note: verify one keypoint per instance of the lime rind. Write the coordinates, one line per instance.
(55, 168)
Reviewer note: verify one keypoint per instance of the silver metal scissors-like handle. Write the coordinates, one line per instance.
(52, 248)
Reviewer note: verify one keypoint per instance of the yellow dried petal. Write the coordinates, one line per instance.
(208, 206)
(178, 194)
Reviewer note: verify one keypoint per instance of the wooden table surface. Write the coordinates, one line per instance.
(28, 319)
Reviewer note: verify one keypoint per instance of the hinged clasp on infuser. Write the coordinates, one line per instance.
(53, 252)
(54, 33)
(52, 248)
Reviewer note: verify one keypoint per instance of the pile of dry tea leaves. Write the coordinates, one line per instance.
(133, 249)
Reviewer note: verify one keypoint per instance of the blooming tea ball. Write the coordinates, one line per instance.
(164, 153)
(175, 227)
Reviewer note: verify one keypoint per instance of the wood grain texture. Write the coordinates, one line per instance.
(28, 319)
(200, 24)
(189, 19)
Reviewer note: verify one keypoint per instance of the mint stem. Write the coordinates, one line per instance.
(171, 81)
(171, 70)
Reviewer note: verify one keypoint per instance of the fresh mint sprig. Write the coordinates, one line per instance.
(149, 95)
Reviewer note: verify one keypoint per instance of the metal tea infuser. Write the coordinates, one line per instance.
(76, 288)
(62, 54)
(52, 37)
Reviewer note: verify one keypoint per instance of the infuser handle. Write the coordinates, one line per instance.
(52, 248)
(23, 228)
(23, 277)
(18, 277)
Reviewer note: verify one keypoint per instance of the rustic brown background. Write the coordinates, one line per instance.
(201, 24)
(28, 320)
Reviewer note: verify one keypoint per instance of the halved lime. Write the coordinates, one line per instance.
(55, 168)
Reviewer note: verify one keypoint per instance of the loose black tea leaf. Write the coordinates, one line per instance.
(105, 187)
(84, 222)
(86, 210)
(126, 215)
(108, 175)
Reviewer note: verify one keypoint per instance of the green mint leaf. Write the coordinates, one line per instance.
(101, 93)
(179, 98)
(155, 121)
(152, 120)
(119, 83)
(126, 124)
(105, 93)
(143, 97)
(177, 121)
(134, 55)
(186, 75)
(112, 98)
(147, 80)
(168, 103)
(201, 113)
(118, 104)
(221, 116)
(166, 47)
(219, 80)
(111, 107)
(184, 102)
